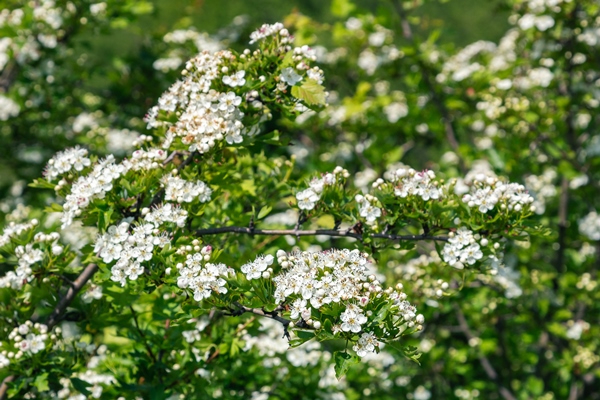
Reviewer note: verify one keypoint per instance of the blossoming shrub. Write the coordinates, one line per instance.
(218, 257)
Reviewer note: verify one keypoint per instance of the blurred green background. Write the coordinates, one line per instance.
(460, 21)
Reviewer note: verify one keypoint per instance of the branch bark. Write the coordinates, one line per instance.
(313, 232)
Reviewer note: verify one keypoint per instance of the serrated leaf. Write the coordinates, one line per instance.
(310, 92)
(343, 361)
(41, 382)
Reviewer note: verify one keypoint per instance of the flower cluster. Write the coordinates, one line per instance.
(183, 191)
(65, 161)
(8, 108)
(590, 226)
(462, 249)
(314, 282)
(202, 277)
(308, 198)
(486, 194)
(90, 187)
(258, 268)
(204, 115)
(541, 188)
(145, 159)
(26, 339)
(14, 229)
(408, 182)
(27, 256)
(130, 245)
(367, 209)
(267, 30)
(96, 381)
(210, 103)
(366, 344)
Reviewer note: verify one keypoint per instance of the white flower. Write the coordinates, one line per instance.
(236, 79)
(352, 320)
(8, 108)
(255, 269)
(290, 76)
(307, 199)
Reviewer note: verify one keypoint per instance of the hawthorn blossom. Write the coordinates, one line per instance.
(183, 191)
(268, 30)
(307, 199)
(290, 76)
(236, 79)
(366, 344)
(70, 159)
(367, 210)
(256, 268)
(487, 192)
(462, 248)
(408, 182)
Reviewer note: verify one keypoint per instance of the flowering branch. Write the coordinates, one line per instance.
(81, 280)
(314, 232)
(272, 315)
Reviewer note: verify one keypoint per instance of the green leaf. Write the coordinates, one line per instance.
(305, 335)
(248, 186)
(264, 212)
(42, 184)
(343, 361)
(81, 386)
(104, 220)
(341, 8)
(412, 353)
(310, 92)
(53, 208)
(288, 60)
(41, 382)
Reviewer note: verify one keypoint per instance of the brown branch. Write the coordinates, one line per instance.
(573, 395)
(485, 362)
(313, 232)
(8, 76)
(260, 312)
(4, 386)
(62, 305)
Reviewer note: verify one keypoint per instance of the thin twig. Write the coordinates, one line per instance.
(272, 315)
(142, 335)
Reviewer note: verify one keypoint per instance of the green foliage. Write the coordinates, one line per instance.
(462, 300)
